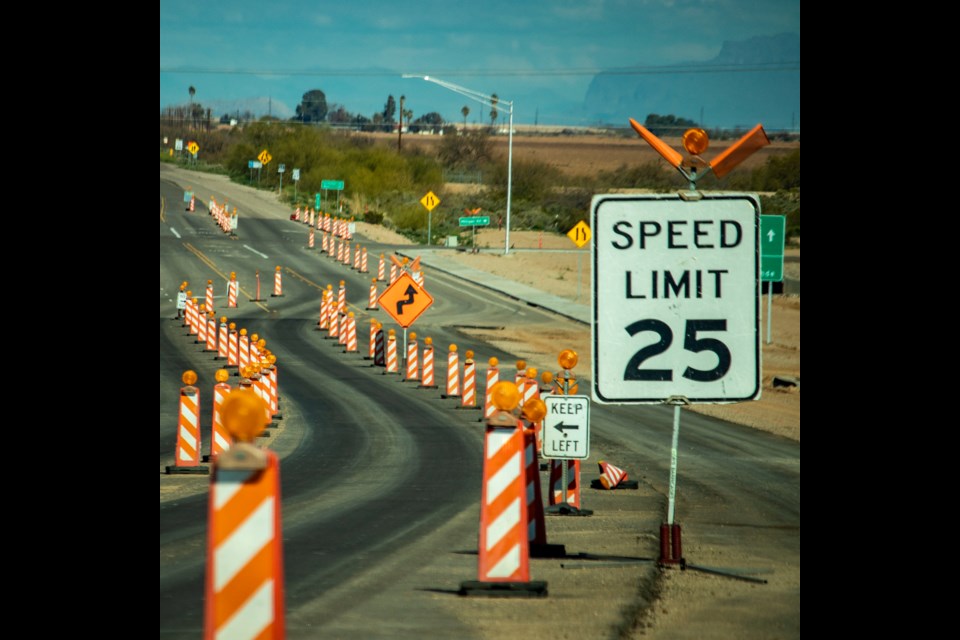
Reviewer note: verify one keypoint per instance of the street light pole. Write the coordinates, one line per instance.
(486, 100)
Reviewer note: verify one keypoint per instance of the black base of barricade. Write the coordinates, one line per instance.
(194, 471)
(534, 589)
(468, 408)
(566, 510)
(626, 484)
(427, 386)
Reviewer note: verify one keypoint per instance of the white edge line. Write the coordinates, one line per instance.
(174, 232)
(249, 248)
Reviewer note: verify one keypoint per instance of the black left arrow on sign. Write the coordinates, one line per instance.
(562, 428)
(411, 294)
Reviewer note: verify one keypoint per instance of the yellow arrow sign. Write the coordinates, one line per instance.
(265, 157)
(193, 147)
(580, 234)
(430, 201)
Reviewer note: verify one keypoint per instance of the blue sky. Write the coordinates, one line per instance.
(540, 55)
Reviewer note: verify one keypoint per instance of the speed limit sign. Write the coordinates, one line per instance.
(676, 298)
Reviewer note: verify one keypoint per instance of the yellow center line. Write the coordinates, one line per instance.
(359, 312)
(207, 261)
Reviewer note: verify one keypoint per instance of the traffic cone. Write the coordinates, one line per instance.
(323, 242)
(310, 239)
(342, 336)
(334, 331)
(201, 325)
(224, 340)
(573, 482)
(342, 297)
(277, 283)
(374, 326)
(187, 453)
(211, 332)
(356, 257)
(220, 438)
(428, 381)
(209, 295)
(381, 274)
(363, 261)
(351, 339)
(469, 398)
(393, 273)
(611, 476)
(296, 214)
(244, 350)
(372, 302)
(392, 366)
(244, 583)
(493, 377)
(191, 314)
(413, 360)
(453, 373)
(233, 347)
(503, 566)
(232, 291)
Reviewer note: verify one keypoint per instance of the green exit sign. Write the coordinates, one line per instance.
(474, 221)
(772, 229)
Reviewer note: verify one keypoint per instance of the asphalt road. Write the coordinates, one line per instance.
(381, 480)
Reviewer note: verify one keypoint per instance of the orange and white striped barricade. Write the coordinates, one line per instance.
(493, 377)
(381, 266)
(532, 413)
(233, 347)
(323, 242)
(190, 315)
(187, 454)
(201, 320)
(277, 283)
(322, 321)
(342, 333)
(209, 295)
(503, 565)
(224, 340)
(469, 398)
(342, 297)
(296, 214)
(393, 273)
(356, 257)
(428, 377)
(380, 348)
(556, 497)
(211, 333)
(374, 327)
(530, 389)
(244, 582)
(340, 250)
(372, 301)
(346, 253)
(333, 332)
(256, 343)
(350, 344)
(453, 373)
(243, 344)
(232, 287)
(310, 239)
(273, 386)
(310, 220)
(392, 364)
(363, 261)
(413, 360)
(220, 438)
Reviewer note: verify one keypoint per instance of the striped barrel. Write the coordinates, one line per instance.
(323, 242)
(340, 251)
(244, 592)
(188, 428)
(310, 220)
(190, 315)
(573, 482)
(413, 361)
(296, 214)
(504, 554)
(211, 333)
(223, 342)
(342, 298)
(393, 273)
(220, 439)
(334, 329)
(346, 253)
(272, 389)
(342, 335)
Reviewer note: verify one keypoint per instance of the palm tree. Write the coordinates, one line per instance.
(493, 111)
(465, 111)
(192, 91)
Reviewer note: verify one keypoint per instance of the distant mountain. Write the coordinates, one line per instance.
(259, 105)
(739, 93)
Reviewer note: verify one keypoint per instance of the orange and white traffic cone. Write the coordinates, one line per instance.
(413, 359)
(363, 261)
(346, 253)
(310, 219)
(220, 438)
(340, 251)
(392, 364)
(573, 482)
(190, 314)
(374, 327)
(211, 333)
(296, 214)
(342, 297)
(453, 373)
(224, 340)
(610, 475)
(244, 350)
(187, 454)
(322, 320)
(233, 347)
(334, 332)
(428, 378)
(244, 584)
(356, 257)
(209, 295)
(381, 274)
(323, 242)
(344, 321)
(469, 398)
(310, 239)
(277, 283)
(393, 273)
(232, 287)
(351, 339)
(503, 566)
(493, 377)
(372, 301)
(201, 324)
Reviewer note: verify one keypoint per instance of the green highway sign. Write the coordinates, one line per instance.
(771, 248)
(474, 221)
(316, 200)
(334, 185)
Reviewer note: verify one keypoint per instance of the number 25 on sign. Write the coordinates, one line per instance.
(677, 306)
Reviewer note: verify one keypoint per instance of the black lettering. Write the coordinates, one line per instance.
(697, 233)
(630, 287)
(717, 273)
(644, 233)
(738, 234)
(669, 283)
(699, 283)
(672, 233)
(616, 230)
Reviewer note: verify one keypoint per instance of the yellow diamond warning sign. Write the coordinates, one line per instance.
(580, 234)
(405, 300)
(430, 200)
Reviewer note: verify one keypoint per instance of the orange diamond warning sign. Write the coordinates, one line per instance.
(405, 300)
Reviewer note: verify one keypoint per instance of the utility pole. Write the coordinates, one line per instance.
(400, 126)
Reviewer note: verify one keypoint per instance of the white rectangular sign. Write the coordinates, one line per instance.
(676, 298)
(566, 427)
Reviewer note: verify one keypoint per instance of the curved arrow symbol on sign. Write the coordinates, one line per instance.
(411, 294)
